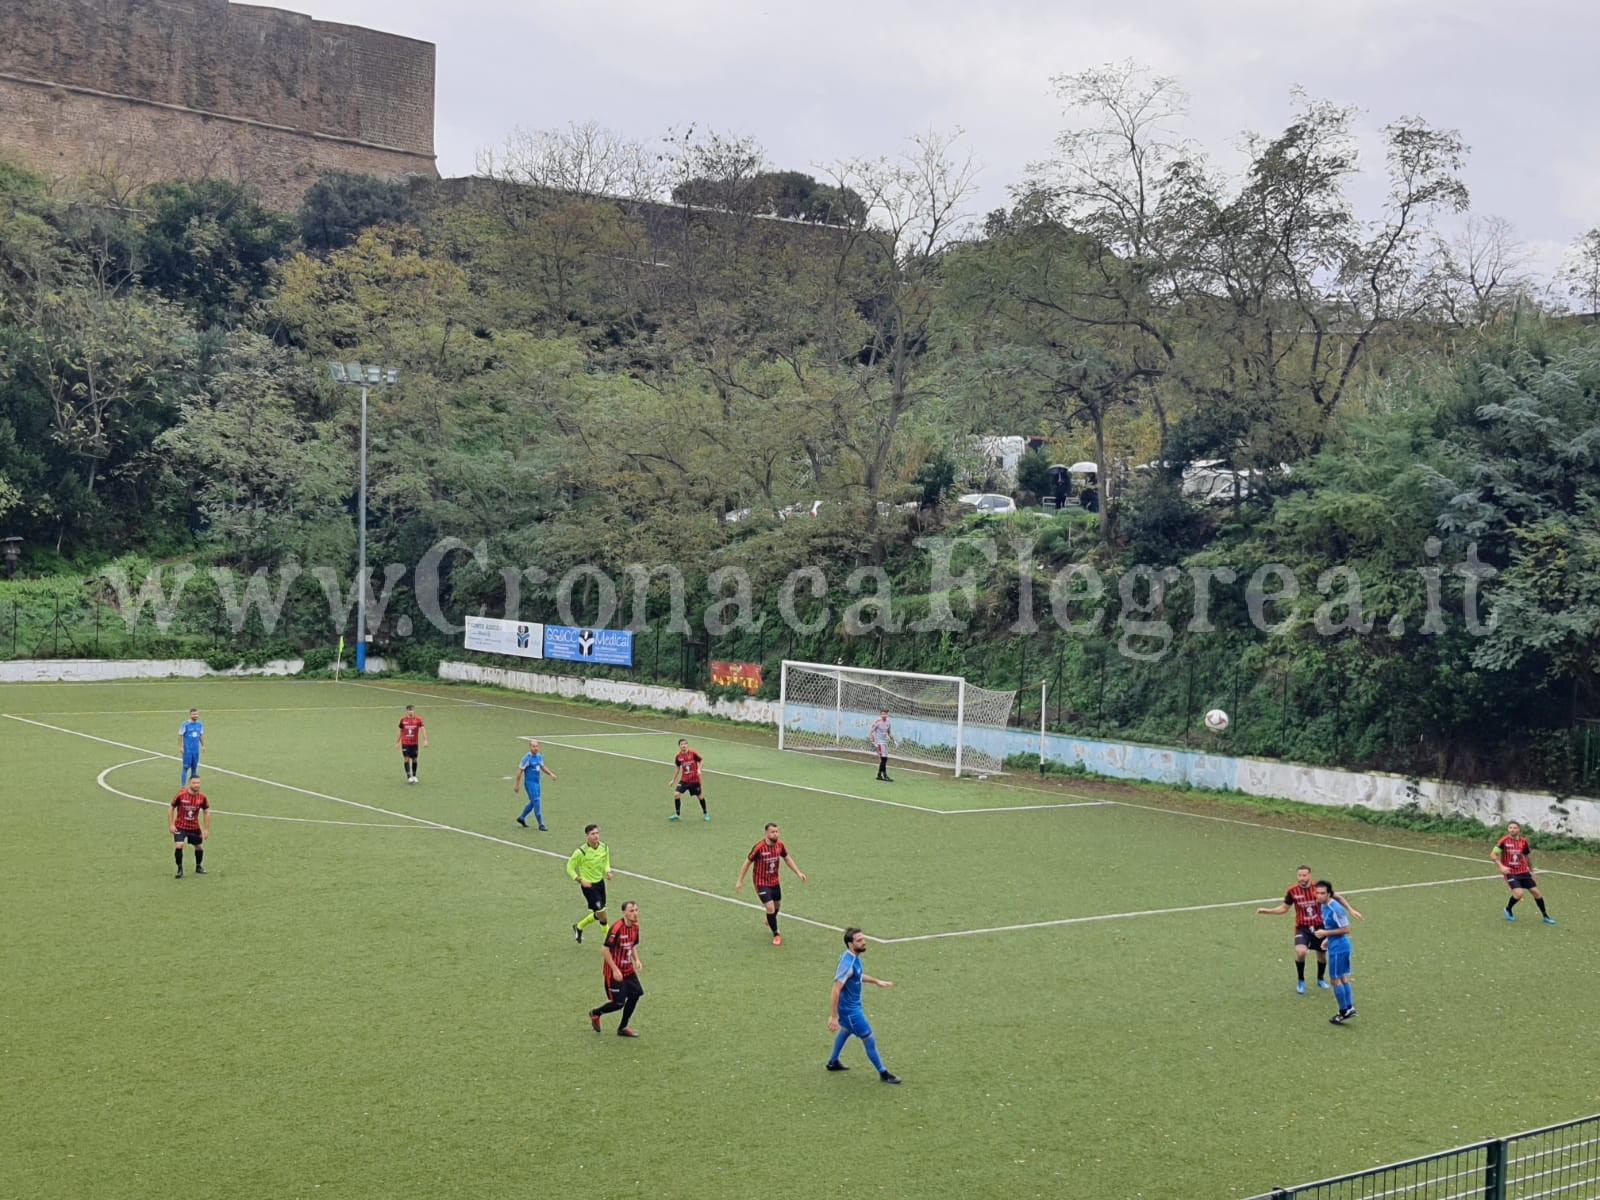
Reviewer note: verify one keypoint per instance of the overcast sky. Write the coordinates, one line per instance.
(834, 79)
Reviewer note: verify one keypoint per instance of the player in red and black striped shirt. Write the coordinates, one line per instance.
(768, 855)
(686, 778)
(621, 970)
(411, 732)
(189, 820)
(1302, 898)
(1514, 857)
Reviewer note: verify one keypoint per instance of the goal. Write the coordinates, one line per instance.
(940, 720)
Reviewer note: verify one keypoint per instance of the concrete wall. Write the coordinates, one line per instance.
(91, 670)
(160, 89)
(1116, 760)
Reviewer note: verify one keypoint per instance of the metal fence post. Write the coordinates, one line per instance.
(1100, 704)
(1494, 1170)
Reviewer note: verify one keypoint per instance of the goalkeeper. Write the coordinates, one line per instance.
(881, 735)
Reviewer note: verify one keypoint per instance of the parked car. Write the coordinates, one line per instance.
(987, 502)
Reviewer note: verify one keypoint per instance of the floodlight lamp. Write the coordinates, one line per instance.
(336, 372)
(352, 372)
(374, 374)
(391, 375)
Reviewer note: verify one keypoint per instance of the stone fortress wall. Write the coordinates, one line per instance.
(140, 90)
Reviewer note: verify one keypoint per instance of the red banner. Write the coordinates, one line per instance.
(746, 675)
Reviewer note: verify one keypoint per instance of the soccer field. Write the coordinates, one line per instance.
(375, 992)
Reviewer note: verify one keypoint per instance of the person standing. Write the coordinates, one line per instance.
(528, 773)
(1335, 935)
(1514, 857)
(191, 741)
(621, 971)
(411, 732)
(846, 1017)
(881, 735)
(686, 778)
(768, 855)
(1302, 898)
(590, 867)
(189, 820)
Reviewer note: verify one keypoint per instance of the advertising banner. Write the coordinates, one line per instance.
(614, 647)
(492, 636)
(746, 675)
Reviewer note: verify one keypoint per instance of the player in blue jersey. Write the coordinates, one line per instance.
(191, 740)
(846, 1016)
(1335, 937)
(528, 778)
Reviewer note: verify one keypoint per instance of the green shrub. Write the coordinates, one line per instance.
(317, 659)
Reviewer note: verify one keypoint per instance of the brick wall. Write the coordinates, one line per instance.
(259, 94)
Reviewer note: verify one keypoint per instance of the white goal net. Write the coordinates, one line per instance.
(940, 720)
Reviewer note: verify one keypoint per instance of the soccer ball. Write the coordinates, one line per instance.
(1216, 720)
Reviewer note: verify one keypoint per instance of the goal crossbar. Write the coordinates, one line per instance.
(939, 720)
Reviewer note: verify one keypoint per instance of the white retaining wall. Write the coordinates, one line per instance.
(90, 670)
(1126, 760)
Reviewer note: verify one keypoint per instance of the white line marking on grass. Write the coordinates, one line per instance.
(806, 787)
(637, 729)
(531, 737)
(959, 812)
(1571, 875)
(224, 812)
(472, 833)
(1164, 912)
(139, 712)
(801, 787)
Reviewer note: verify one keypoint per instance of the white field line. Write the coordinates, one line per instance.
(799, 787)
(544, 737)
(472, 833)
(224, 812)
(961, 812)
(1570, 875)
(142, 712)
(1162, 912)
(637, 729)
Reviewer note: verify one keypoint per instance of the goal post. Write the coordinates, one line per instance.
(938, 720)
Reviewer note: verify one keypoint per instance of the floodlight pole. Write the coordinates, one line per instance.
(361, 553)
(365, 375)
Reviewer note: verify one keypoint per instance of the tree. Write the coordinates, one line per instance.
(1289, 288)
(1581, 270)
(263, 475)
(1479, 273)
(340, 204)
(880, 309)
(791, 195)
(208, 244)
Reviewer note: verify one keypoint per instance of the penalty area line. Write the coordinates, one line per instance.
(634, 730)
(1164, 912)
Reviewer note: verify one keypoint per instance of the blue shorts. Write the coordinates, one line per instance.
(855, 1023)
(1339, 958)
(533, 792)
(191, 761)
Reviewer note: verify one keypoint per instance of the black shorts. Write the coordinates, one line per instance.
(692, 788)
(770, 895)
(192, 836)
(408, 751)
(594, 895)
(1304, 935)
(621, 989)
(1523, 881)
